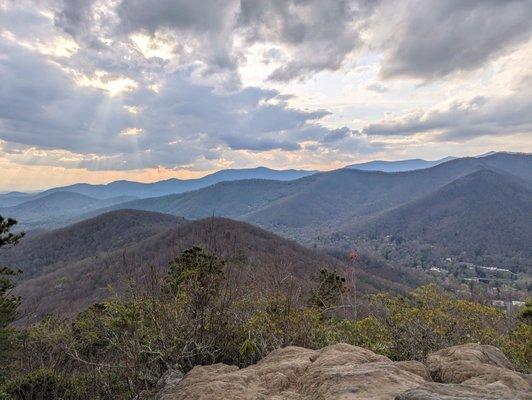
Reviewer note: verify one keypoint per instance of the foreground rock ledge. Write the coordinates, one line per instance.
(345, 372)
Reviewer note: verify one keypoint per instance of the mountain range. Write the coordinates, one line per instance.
(307, 209)
(160, 188)
(174, 186)
(324, 202)
(484, 215)
(471, 209)
(57, 208)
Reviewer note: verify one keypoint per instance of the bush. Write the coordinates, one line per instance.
(119, 349)
(429, 320)
(43, 384)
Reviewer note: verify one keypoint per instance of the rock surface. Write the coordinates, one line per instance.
(345, 372)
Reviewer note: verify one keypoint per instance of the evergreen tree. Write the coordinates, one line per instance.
(8, 302)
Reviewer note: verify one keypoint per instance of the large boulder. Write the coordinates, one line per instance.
(345, 372)
(335, 372)
(475, 364)
(471, 372)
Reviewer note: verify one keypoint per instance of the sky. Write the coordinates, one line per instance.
(94, 91)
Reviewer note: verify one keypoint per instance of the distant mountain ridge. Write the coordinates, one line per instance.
(309, 209)
(398, 166)
(57, 208)
(473, 209)
(176, 186)
(411, 164)
(323, 201)
(100, 235)
(156, 189)
(315, 207)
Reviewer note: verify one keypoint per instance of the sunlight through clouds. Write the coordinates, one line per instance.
(126, 87)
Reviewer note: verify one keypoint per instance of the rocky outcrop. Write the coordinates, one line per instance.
(345, 372)
(471, 372)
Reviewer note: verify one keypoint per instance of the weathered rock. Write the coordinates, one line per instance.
(344, 372)
(473, 372)
(416, 368)
(441, 391)
(475, 364)
(335, 372)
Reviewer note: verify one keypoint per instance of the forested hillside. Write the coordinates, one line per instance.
(95, 237)
(484, 217)
(98, 258)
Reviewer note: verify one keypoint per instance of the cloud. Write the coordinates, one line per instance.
(124, 85)
(41, 106)
(420, 39)
(377, 87)
(43, 111)
(316, 35)
(432, 39)
(260, 144)
(462, 120)
(337, 134)
(205, 26)
(312, 36)
(75, 17)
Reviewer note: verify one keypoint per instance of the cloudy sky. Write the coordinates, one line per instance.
(97, 90)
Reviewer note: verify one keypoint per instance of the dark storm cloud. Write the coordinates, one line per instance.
(432, 39)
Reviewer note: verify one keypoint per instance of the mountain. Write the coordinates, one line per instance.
(409, 165)
(228, 199)
(66, 270)
(90, 238)
(303, 208)
(323, 203)
(13, 198)
(56, 209)
(397, 166)
(171, 186)
(485, 213)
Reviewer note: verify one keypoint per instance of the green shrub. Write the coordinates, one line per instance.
(43, 384)
(119, 349)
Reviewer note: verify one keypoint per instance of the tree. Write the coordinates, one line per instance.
(196, 275)
(329, 288)
(526, 313)
(6, 236)
(8, 303)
